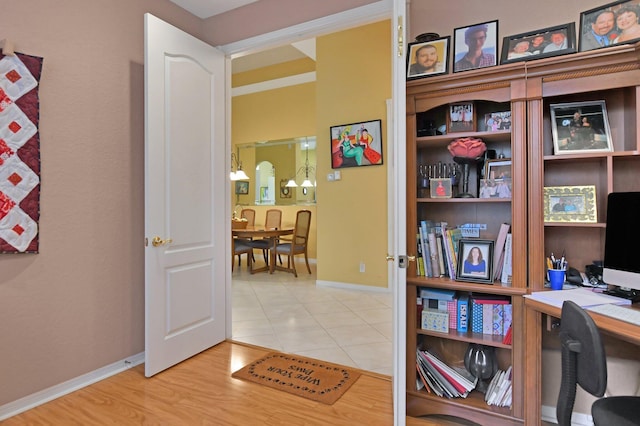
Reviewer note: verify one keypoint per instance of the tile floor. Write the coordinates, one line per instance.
(279, 311)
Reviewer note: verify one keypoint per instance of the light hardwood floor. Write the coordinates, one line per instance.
(200, 391)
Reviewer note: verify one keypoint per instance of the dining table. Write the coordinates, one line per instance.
(256, 232)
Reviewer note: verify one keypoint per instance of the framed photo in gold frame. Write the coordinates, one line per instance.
(570, 204)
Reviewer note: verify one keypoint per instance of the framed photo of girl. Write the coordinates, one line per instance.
(552, 41)
(611, 24)
(428, 58)
(475, 46)
(475, 260)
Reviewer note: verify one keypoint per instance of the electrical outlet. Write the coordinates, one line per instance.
(330, 177)
(361, 266)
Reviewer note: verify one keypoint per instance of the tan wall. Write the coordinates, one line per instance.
(354, 82)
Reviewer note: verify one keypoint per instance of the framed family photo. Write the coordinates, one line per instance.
(580, 127)
(475, 46)
(496, 121)
(461, 117)
(428, 58)
(611, 24)
(356, 144)
(552, 41)
(570, 204)
(475, 260)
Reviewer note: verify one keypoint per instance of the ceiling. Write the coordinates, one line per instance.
(207, 8)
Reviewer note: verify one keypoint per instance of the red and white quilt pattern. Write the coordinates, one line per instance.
(19, 153)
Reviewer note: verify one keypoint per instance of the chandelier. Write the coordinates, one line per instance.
(239, 174)
(306, 183)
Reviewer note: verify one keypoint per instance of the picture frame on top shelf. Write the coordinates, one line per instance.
(475, 260)
(579, 127)
(543, 43)
(429, 58)
(461, 117)
(575, 204)
(598, 28)
(485, 35)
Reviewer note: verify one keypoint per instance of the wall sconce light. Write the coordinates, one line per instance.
(239, 174)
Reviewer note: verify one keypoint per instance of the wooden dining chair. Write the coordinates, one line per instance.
(250, 215)
(240, 247)
(297, 245)
(273, 220)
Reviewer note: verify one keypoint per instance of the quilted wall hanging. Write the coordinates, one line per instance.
(19, 153)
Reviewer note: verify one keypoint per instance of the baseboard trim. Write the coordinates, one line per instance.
(577, 419)
(358, 287)
(31, 401)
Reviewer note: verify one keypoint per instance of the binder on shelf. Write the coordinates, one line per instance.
(463, 313)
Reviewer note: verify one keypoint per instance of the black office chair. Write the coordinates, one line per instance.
(584, 362)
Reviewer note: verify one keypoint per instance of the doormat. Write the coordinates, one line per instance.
(309, 378)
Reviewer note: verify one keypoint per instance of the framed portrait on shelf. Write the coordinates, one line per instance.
(611, 24)
(440, 187)
(461, 117)
(475, 260)
(356, 144)
(242, 187)
(429, 58)
(496, 121)
(498, 169)
(570, 204)
(579, 127)
(475, 46)
(552, 41)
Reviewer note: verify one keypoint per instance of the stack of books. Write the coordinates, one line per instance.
(499, 392)
(441, 379)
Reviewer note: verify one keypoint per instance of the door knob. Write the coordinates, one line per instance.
(157, 241)
(390, 257)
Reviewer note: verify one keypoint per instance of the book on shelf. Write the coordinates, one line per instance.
(425, 253)
(462, 378)
(420, 257)
(498, 319)
(451, 382)
(448, 389)
(448, 251)
(452, 308)
(499, 391)
(498, 250)
(433, 253)
(476, 316)
(507, 317)
(437, 293)
(507, 336)
(487, 318)
(443, 268)
(463, 313)
(506, 266)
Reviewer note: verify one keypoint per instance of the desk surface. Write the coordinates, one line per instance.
(620, 329)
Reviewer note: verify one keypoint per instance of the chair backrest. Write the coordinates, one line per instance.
(273, 219)
(301, 230)
(584, 361)
(250, 215)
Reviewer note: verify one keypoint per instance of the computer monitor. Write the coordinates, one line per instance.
(622, 238)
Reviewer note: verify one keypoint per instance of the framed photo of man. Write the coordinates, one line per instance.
(611, 24)
(579, 127)
(428, 58)
(475, 46)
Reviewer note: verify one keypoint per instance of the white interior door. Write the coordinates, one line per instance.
(184, 173)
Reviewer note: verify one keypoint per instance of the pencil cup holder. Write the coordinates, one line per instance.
(556, 278)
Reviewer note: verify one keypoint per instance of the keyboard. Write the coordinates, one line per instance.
(621, 312)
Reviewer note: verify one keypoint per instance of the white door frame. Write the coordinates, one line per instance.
(394, 10)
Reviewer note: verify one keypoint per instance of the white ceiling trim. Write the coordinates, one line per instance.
(363, 15)
(277, 83)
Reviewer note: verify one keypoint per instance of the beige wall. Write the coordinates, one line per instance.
(78, 305)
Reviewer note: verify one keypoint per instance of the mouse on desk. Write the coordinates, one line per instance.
(573, 276)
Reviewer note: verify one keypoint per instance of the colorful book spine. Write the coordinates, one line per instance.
(433, 254)
(487, 318)
(463, 313)
(507, 318)
(498, 319)
(476, 317)
(452, 308)
(425, 253)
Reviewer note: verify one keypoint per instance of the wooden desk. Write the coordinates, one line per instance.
(257, 233)
(534, 312)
